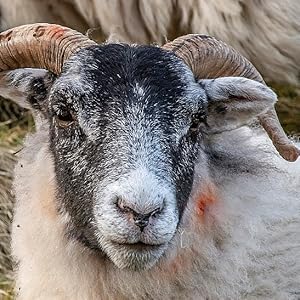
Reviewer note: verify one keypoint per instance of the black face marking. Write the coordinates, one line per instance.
(39, 88)
(133, 107)
(221, 109)
(198, 119)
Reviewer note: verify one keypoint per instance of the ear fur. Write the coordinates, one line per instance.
(27, 87)
(235, 101)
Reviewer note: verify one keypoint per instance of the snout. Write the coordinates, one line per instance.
(140, 213)
(136, 218)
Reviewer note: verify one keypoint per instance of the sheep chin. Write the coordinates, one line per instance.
(134, 257)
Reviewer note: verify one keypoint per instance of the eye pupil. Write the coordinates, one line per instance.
(65, 118)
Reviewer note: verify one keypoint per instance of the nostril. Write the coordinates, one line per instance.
(122, 206)
(155, 212)
(141, 221)
(138, 214)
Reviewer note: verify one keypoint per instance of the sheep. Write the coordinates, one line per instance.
(149, 175)
(255, 28)
(266, 32)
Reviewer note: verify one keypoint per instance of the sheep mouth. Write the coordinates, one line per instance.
(139, 246)
(135, 256)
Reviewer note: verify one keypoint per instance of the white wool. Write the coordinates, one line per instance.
(246, 246)
(266, 32)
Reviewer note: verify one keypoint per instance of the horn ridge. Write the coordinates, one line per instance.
(39, 45)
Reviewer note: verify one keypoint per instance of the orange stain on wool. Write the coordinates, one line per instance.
(207, 196)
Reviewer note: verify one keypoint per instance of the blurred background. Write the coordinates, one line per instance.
(266, 32)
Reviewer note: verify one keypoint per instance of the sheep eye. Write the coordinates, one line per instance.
(197, 119)
(65, 118)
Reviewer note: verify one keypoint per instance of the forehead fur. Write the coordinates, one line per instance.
(114, 83)
(120, 71)
(129, 63)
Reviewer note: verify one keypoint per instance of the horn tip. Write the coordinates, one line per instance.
(290, 153)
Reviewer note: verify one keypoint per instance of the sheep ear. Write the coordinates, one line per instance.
(235, 101)
(27, 87)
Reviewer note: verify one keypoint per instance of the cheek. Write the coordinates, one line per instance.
(205, 199)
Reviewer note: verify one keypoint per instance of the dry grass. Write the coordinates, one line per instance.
(6, 204)
(288, 107)
(14, 124)
(6, 289)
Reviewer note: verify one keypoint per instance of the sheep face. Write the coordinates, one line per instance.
(128, 127)
(123, 136)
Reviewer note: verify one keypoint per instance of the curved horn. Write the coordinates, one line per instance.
(210, 58)
(41, 45)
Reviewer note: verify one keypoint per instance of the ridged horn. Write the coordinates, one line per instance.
(210, 58)
(40, 45)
